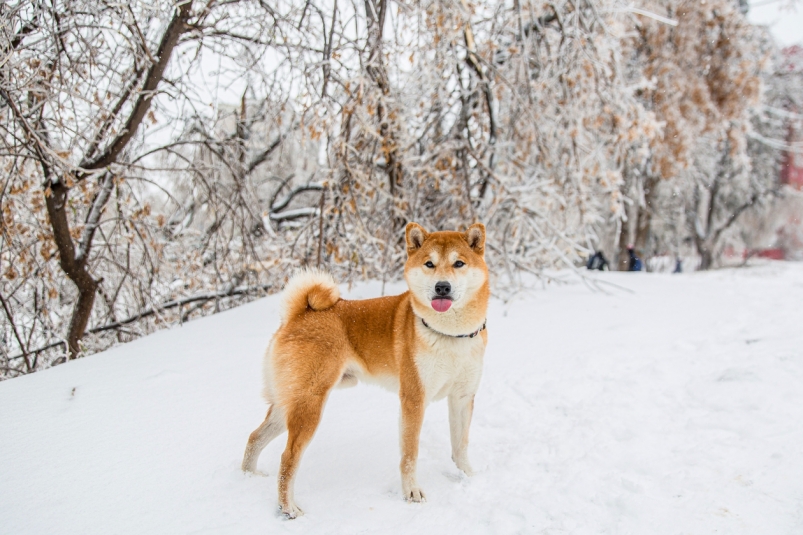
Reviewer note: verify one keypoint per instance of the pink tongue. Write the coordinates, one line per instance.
(441, 305)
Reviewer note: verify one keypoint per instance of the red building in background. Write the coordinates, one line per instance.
(788, 240)
(790, 234)
(792, 162)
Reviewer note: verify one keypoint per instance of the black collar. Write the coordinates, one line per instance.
(472, 335)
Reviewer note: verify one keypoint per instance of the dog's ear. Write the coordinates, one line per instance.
(475, 236)
(415, 236)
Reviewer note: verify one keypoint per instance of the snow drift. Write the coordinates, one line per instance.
(674, 407)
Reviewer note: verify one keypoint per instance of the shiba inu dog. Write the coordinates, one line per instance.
(425, 344)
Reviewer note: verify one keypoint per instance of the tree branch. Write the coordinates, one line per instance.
(177, 303)
(262, 156)
(153, 310)
(177, 26)
(16, 334)
(290, 196)
(93, 217)
(736, 213)
(107, 124)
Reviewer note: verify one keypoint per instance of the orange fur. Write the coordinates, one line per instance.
(325, 341)
(309, 288)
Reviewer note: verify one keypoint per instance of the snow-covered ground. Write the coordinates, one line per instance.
(676, 407)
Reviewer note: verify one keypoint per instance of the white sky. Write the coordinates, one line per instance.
(784, 17)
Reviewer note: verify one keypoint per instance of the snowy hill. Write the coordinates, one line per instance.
(673, 408)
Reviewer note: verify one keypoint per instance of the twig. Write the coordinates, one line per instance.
(155, 310)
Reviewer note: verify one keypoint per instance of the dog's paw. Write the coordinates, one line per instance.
(463, 465)
(255, 473)
(414, 495)
(249, 465)
(466, 469)
(291, 511)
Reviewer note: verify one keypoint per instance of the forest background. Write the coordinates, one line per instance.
(166, 160)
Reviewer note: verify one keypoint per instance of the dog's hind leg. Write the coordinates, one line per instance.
(272, 427)
(302, 420)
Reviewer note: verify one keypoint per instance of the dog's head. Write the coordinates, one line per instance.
(446, 271)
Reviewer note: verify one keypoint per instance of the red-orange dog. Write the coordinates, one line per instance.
(426, 344)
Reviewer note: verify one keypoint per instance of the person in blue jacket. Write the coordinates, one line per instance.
(635, 262)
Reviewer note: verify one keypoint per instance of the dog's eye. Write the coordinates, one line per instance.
(459, 264)
(429, 264)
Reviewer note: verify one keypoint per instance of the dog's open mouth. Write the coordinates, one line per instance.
(442, 304)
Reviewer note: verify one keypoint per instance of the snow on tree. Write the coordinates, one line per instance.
(701, 78)
(87, 89)
(166, 160)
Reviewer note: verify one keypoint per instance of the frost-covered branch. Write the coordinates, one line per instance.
(93, 217)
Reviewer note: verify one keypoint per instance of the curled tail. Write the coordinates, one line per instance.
(308, 288)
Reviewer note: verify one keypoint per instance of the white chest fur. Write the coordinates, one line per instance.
(447, 364)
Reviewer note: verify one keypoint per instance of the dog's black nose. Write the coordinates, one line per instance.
(443, 288)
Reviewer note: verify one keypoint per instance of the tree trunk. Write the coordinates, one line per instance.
(705, 248)
(644, 219)
(74, 263)
(643, 222)
(622, 257)
(73, 267)
(641, 219)
(87, 287)
(376, 11)
(706, 259)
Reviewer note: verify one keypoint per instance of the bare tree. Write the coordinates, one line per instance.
(172, 159)
(80, 85)
(701, 75)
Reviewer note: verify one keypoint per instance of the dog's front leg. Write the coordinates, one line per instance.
(461, 407)
(412, 416)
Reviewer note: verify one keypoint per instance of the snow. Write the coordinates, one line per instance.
(673, 407)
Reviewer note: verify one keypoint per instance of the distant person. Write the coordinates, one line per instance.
(678, 265)
(598, 262)
(635, 262)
